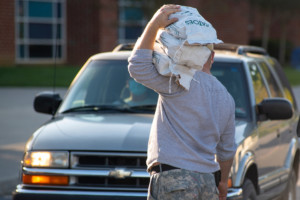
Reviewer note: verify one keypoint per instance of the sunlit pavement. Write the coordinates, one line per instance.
(18, 121)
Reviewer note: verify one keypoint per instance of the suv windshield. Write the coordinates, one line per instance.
(105, 85)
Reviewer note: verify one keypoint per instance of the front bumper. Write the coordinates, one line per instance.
(30, 194)
(235, 194)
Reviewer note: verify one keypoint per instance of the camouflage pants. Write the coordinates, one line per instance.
(180, 184)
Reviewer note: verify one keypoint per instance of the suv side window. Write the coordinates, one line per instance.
(259, 86)
(273, 85)
(284, 81)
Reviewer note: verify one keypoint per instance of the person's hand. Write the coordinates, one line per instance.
(222, 191)
(161, 18)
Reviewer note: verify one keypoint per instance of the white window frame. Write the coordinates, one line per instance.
(26, 41)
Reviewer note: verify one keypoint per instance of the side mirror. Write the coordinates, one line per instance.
(274, 109)
(47, 102)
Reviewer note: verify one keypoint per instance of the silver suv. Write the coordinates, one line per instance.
(94, 146)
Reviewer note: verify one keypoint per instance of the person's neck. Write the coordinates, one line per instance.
(206, 70)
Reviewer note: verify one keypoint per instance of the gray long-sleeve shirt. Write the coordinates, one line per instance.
(189, 127)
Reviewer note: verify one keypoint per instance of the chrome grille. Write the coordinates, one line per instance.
(110, 161)
(113, 182)
(116, 170)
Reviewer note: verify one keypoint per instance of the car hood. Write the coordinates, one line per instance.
(109, 132)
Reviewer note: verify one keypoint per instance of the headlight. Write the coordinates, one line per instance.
(58, 159)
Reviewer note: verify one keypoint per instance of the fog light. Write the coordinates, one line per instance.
(45, 180)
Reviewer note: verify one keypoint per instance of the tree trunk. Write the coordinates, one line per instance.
(266, 28)
(283, 37)
(282, 45)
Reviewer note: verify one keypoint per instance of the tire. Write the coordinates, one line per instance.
(290, 191)
(249, 192)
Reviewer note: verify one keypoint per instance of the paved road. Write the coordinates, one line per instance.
(18, 121)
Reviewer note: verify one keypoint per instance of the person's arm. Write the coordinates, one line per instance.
(141, 66)
(225, 169)
(226, 150)
(159, 20)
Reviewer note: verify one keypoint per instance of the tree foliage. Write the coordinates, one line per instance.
(278, 5)
(281, 11)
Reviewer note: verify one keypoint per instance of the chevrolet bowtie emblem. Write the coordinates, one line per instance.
(120, 173)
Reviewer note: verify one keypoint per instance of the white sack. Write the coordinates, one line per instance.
(169, 43)
(184, 47)
(193, 56)
(164, 66)
(192, 27)
(184, 75)
(161, 60)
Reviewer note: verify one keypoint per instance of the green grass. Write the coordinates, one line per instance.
(293, 75)
(43, 76)
(37, 76)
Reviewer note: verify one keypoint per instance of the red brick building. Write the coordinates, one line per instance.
(7, 32)
(36, 31)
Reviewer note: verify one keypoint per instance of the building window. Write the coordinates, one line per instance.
(40, 31)
(131, 19)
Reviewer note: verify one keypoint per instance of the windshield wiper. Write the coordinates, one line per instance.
(144, 107)
(97, 108)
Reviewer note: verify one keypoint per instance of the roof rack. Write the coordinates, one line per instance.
(241, 49)
(124, 47)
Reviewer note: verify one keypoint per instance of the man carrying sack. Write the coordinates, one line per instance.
(192, 134)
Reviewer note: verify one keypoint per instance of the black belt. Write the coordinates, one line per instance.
(162, 168)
